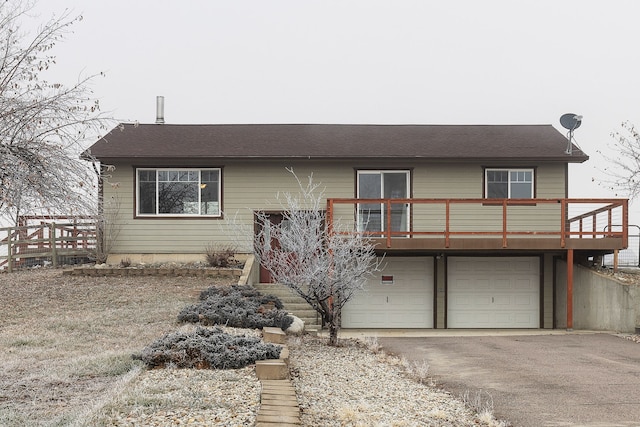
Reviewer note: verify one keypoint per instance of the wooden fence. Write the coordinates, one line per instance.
(38, 241)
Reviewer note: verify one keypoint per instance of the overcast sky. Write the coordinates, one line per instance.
(418, 62)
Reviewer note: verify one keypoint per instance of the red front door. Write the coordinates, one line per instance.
(274, 219)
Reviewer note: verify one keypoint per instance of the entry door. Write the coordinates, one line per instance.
(274, 220)
(486, 292)
(401, 296)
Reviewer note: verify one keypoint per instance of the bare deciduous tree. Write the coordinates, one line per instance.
(108, 229)
(624, 169)
(42, 124)
(325, 268)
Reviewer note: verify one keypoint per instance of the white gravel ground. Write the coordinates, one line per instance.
(174, 397)
(349, 385)
(352, 386)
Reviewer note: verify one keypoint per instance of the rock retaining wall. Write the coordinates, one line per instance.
(150, 271)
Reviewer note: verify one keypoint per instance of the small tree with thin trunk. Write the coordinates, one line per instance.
(624, 169)
(325, 268)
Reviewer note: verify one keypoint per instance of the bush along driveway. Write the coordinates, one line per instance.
(536, 380)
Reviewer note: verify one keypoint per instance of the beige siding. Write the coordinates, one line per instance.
(466, 181)
(246, 187)
(253, 185)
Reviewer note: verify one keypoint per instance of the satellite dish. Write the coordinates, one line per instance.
(571, 121)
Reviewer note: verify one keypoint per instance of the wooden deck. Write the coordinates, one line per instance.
(598, 225)
(48, 239)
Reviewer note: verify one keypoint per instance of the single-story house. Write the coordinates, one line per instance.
(472, 219)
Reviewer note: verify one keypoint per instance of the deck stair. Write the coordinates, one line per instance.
(293, 303)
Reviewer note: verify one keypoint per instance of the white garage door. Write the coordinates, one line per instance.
(493, 292)
(401, 296)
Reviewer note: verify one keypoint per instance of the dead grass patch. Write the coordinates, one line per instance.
(67, 341)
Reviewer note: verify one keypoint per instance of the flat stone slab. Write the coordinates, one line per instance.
(283, 393)
(290, 411)
(279, 402)
(284, 354)
(270, 424)
(277, 384)
(273, 335)
(277, 419)
(268, 399)
(273, 369)
(279, 389)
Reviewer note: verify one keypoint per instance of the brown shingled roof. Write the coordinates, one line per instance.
(320, 141)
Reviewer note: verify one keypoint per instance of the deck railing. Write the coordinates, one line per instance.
(49, 239)
(505, 219)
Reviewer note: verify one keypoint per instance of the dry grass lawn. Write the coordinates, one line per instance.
(66, 341)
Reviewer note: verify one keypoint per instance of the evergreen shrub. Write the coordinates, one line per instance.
(236, 306)
(206, 349)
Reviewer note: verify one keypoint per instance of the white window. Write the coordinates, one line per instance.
(376, 184)
(178, 192)
(509, 183)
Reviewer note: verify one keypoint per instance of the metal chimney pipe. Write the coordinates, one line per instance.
(159, 110)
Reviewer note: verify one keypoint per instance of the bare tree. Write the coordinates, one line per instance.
(42, 124)
(325, 268)
(108, 229)
(624, 169)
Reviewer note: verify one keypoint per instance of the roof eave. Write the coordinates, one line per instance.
(557, 159)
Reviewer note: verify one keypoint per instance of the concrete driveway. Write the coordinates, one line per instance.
(536, 380)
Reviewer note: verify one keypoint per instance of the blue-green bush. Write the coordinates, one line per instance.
(206, 349)
(236, 306)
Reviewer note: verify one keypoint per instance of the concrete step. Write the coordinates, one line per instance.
(289, 299)
(293, 303)
(272, 370)
(303, 311)
(301, 306)
(284, 297)
(309, 319)
(274, 288)
(273, 335)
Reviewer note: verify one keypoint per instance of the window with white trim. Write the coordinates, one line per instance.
(178, 192)
(509, 183)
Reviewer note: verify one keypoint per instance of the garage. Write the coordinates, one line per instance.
(487, 292)
(401, 296)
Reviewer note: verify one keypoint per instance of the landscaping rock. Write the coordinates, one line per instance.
(296, 327)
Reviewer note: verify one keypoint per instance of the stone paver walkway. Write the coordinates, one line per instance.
(278, 404)
(278, 400)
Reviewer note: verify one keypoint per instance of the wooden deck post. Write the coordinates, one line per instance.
(52, 242)
(10, 251)
(570, 289)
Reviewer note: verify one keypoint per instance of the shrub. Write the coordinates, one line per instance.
(245, 291)
(236, 306)
(220, 255)
(206, 349)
